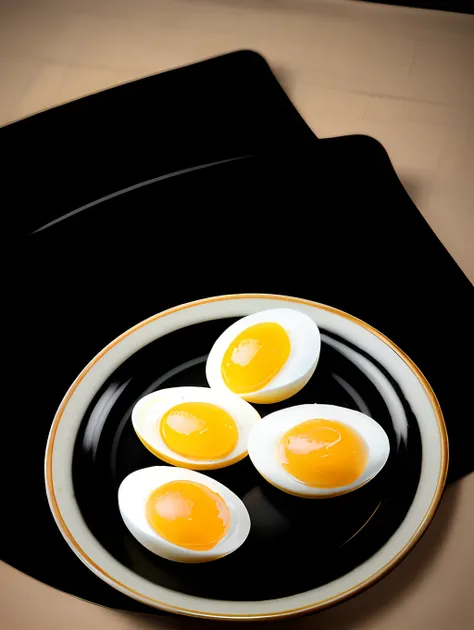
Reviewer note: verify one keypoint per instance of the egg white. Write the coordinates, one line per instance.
(133, 495)
(305, 342)
(149, 410)
(265, 438)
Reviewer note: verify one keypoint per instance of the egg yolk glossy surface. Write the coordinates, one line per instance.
(199, 430)
(323, 453)
(188, 514)
(255, 356)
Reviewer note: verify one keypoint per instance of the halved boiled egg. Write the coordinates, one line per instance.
(194, 427)
(265, 357)
(318, 450)
(182, 515)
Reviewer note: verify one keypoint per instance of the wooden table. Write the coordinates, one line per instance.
(401, 75)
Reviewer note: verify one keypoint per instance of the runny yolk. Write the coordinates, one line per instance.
(323, 453)
(255, 356)
(188, 514)
(199, 430)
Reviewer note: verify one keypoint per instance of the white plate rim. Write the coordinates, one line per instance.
(58, 475)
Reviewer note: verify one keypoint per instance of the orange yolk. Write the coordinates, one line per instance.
(199, 430)
(323, 453)
(188, 514)
(255, 356)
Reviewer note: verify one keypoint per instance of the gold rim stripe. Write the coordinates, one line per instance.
(391, 564)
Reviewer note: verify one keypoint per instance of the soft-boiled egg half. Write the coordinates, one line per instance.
(265, 357)
(182, 515)
(318, 450)
(194, 427)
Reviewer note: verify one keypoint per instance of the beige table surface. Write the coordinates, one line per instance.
(402, 75)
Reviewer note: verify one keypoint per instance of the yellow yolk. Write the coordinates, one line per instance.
(255, 356)
(188, 514)
(199, 430)
(323, 453)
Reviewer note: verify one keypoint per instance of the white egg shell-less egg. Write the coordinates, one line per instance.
(265, 438)
(305, 342)
(133, 495)
(149, 410)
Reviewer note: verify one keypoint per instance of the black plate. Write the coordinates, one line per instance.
(294, 544)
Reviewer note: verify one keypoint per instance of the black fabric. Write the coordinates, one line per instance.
(58, 160)
(326, 220)
(458, 6)
(217, 109)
